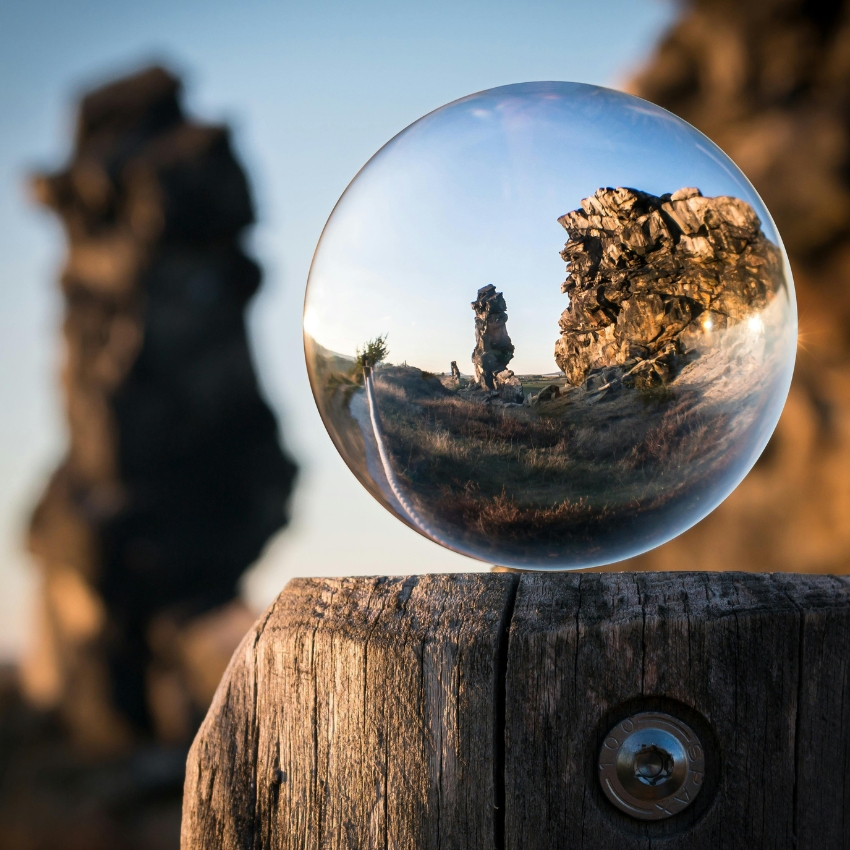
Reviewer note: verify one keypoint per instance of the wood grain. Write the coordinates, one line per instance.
(369, 720)
(402, 713)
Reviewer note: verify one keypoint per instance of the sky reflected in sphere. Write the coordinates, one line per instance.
(550, 326)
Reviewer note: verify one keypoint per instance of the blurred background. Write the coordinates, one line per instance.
(165, 173)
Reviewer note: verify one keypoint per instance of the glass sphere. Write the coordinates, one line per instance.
(533, 370)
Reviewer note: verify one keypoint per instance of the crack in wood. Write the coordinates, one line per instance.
(499, 731)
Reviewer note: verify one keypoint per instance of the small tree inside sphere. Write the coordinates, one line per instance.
(372, 353)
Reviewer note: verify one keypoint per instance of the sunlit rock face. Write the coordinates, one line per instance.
(653, 280)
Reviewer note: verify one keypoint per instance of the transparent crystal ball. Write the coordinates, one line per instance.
(536, 371)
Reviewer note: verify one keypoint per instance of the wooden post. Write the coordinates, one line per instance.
(469, 711)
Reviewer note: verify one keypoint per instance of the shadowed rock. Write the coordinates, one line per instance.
(548, 393)
(493, 347)
(650, 278)
(174, 479)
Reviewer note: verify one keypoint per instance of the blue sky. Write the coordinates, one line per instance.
(470, 196)
(311, 90)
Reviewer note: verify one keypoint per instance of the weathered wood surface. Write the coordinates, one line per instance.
(467, 711)
(358, 713)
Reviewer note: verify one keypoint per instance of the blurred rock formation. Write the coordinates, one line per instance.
(174, 479)
(650, 279)
(770, 83)
(493, 347)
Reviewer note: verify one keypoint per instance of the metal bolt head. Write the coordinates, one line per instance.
(651, 766)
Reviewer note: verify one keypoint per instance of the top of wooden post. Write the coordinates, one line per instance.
(449, 711)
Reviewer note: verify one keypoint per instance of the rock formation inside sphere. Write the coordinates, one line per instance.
(493, 347)
(652, 279)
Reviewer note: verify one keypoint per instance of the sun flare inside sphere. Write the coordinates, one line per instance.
(550, 326)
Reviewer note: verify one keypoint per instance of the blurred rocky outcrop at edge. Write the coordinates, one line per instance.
(770, 83)
(174, 479)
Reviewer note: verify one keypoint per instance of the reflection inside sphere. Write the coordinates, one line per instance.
(526, 418)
